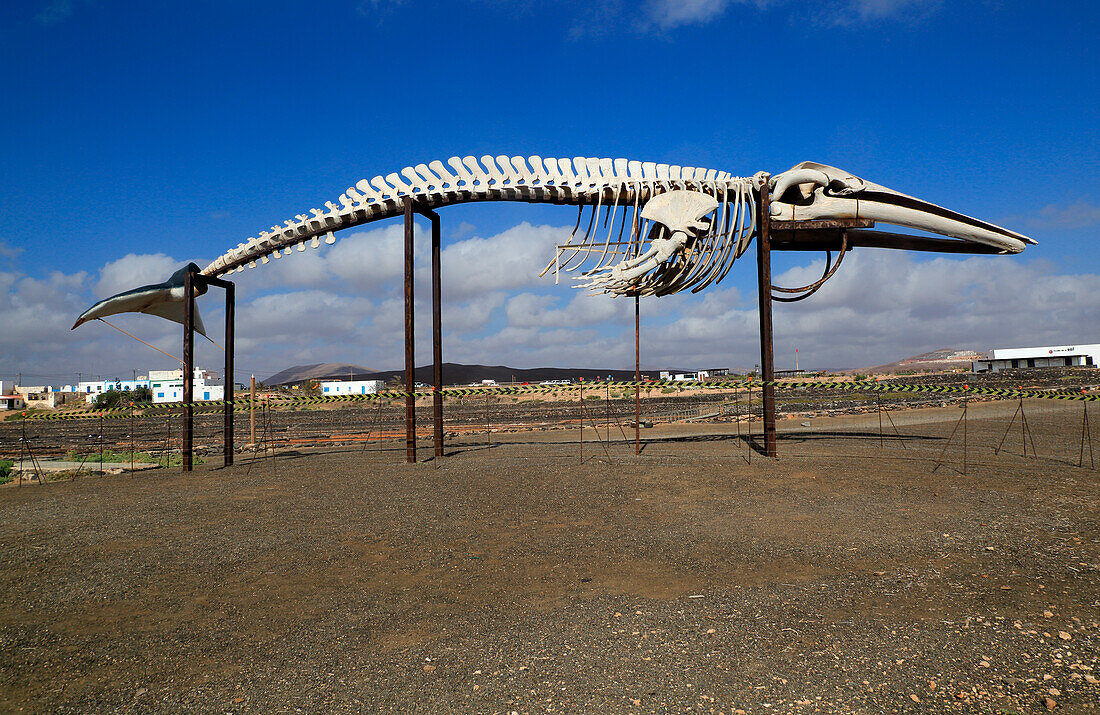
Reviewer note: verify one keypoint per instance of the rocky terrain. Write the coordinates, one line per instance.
(525, 577)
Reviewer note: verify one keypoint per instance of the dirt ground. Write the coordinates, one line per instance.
(516, 577)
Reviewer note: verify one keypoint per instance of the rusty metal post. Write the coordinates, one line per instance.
(437, 339)
(188, 369)
(252, 414)
(637, 377)
(230, 308)
(410, 399)
(764, 272)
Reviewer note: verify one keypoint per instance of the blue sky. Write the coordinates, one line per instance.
(137, 138)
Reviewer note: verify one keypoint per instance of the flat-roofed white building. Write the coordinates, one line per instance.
(351, 387)
(173, 392)
(1046, 356)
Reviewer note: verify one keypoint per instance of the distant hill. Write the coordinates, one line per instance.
(320, 371)
(459, 374)
(453, 373)
(935, 361)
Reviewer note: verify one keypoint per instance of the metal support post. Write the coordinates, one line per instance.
(230, 309)
(637, 377)
(188, 369)
(767, 365)
(252, 414)
(410, 399)
(437, 338)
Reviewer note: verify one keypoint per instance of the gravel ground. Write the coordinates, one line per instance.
(699, 576)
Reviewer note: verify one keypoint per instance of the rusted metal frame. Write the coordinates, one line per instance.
(637, 376)
(410, 354)
(227, 398)
(808, 290)
(228, 402)
(437, 333)
(764, 276)
(188, 370)
(412, 205)
(830, 239)
(820, 224)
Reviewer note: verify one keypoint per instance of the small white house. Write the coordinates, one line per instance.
(351, 387)
(11, 402)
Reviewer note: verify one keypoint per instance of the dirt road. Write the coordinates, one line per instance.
(843, 577)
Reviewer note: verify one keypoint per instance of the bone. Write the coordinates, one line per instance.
(565, 167)
(368, 191)
(401, 187)
(416, 182)
(507, 171)
(462, 173)
(430, 178)
(523, 174)
(386, 190)
(479, 177)
(450, 181)
(672, 261)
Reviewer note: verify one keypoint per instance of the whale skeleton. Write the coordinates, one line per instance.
(652, 229)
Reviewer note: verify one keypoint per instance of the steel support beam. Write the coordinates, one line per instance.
(410, 356)
(188, 370)
(437, 336)
(764, 275)
(227, 427)
(637, 376)
(826, 236)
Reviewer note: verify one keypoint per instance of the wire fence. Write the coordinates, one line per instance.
(956, 431)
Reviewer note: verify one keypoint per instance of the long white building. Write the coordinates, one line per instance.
(1046, 356)
(351, 387)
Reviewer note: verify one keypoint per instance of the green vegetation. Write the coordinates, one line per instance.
(14, 416)
(5, 470)
(116, 398)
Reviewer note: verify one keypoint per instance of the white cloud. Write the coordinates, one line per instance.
(1080, 214)
(8, 251)
(55, 11)
(529, 310)
(304, 315)
(509, 260)
(667, 14)
(343, 303)
(133, 270)
(884, 305)
(373, 262)
(670, 14)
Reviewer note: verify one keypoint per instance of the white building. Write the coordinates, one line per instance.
(1047, 356)
(685, 376)
(11, 402)
(166, 386)
(351, 387)
(173, 392)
